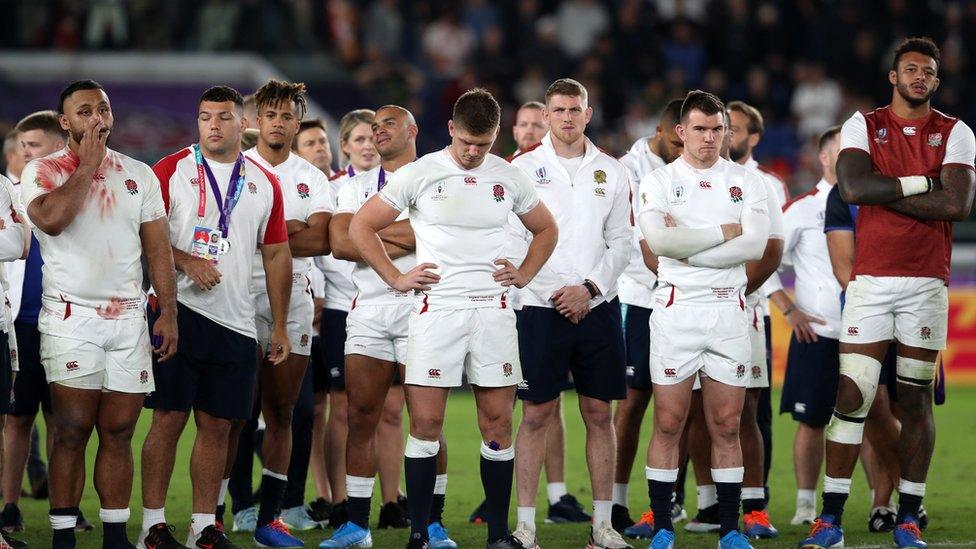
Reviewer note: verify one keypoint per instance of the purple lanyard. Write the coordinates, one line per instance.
(382, 180)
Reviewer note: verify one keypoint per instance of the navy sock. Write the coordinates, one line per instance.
(437, 508)
(729, 494)
(496, 478)
(908, 505)
(421, 474)
(272, 491)
(660, 494)
(833, 504)
(358, 510)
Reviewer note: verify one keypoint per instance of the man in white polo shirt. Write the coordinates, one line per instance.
(570, 319)
(221, 207)
(97, 212)
(459, 200)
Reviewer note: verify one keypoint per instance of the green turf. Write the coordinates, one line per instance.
(951, 482)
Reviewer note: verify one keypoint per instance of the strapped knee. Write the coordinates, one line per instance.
(848, 427)
(911, 371)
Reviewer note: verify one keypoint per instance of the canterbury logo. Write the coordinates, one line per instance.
(73, 365)
(434, 372)
(705, 184)
(852, 330)
(470, 180)
(670, 372)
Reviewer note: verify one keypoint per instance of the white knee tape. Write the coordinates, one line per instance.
(916, 372)
(416, 448)
(847, 427)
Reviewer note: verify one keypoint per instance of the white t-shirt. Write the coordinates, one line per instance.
(339, 289)
(94, 267)
(11, 239)
(697, 199)
(459, 218)
(591, 206)
(258, 218)
(305, 190)
(636, 285)
(371, 290)
(805, 247)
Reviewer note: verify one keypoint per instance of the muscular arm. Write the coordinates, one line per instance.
(840, 247)
(312, 240)
(159, 254)
(364, 227)
(757, 272)
(277, 267)
(952, 202)
(343, 248)
(860, 184)
(52, 212)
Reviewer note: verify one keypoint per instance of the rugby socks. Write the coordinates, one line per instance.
(660, 484)
(200, 521)
(728, 484)
(359, 491)
(526, 515)
(806, 497)
(620, 494)
(272, 491)
(835, 495)
(601, 511)
(420, 469)
(221, 496)
(910, 496)
(63, 521)
(152, 517)
(554, 491)
(497, 469)
(753, 499)
(113, 522)
(437, 505)
(707, 496)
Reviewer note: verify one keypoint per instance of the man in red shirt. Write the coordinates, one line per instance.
(910, 168)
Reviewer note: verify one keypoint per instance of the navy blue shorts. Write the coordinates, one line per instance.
(332, 337)
(637, 339)
(213, 371)
(6, 377)
(550, 347)
(30, 388)
(810, 386)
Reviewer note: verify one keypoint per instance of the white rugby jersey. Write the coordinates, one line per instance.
(699, 199)
(782, 193)
(805, 247)
(258, 218)
(370, 288)
(11, 240)
(776, 230)
(339, 289)
(636, 285)
(94, 267)
(305, 190)
(592, 211)
(460, 220)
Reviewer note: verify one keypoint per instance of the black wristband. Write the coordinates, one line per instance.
(590, 287)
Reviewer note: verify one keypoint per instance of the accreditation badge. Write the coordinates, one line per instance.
(206, 243)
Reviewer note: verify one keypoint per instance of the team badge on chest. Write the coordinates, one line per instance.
(498, 193)
(302, 190)
(252, 188)
(600, 177)
(935, 140)
(735, 193)
(131, 186)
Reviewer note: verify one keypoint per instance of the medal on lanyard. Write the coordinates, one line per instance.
(225, 206)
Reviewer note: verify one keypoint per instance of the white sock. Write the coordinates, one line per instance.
(601, 512)
(63, 522)
(222, 495)
(837, 485)
(555, 490)
(753, 493)
(199, 521)
(912, 488)
(620, 493)
(806, 496)
(359, 487)
(440, 485)
(152, 517)
(526, 515)
(707, 496)
(114, 516)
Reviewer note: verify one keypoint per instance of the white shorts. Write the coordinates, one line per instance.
(97, 353)
(913, 310)
(758, 377)
(11, 337)
(481, 343)
(300, 316)
(686, 339)
(378, 331)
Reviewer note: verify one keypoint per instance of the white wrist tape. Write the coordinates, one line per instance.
(914, 184)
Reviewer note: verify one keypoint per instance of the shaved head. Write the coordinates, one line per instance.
(407, 115)
(394, 132)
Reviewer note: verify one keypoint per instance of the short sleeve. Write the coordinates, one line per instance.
(777, 227)
(319, 194)
(31, 183)
(153, 207)
(401, 189)
(653, 192)
(960, 146)
(854, 134)
(347, 200)
(837, 216)
(275, 231)
(757, 192)
(526, 196)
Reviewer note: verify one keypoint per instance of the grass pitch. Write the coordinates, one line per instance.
(951, 482)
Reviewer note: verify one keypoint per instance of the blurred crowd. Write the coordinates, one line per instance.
(806, 64)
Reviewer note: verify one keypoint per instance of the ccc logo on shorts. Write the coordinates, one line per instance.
(670, 372)
(71, 366)
(852, 330)
(434, 372)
